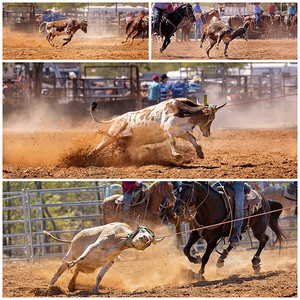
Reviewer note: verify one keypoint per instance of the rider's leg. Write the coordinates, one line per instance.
(157, 13)
(238, 188)
(126, 208)
(257, 18)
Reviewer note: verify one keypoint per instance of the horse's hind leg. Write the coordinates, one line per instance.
(223, 256)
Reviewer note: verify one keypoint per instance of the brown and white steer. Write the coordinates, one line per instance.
(173, 118)
(217, 32)
(65, 27)
(99, 247)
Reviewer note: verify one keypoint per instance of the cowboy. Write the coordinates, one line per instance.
(239, 188)
(271, 10)
(130, 189)
(154, 91)
(291, 12)
(158, 9)
(257, 12)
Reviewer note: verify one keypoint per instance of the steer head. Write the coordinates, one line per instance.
(142, 237)
(209, 112)
(83, 26)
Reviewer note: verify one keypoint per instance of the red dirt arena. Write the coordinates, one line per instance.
(163, 272)
(228, 154)
(271, 49)
(20, 46)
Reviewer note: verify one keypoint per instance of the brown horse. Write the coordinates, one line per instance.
(147, 208)
(206, 17)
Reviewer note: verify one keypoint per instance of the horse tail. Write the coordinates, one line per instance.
(281, 236)
(229, 22)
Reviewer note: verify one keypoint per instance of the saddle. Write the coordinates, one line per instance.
(137, 198)
(252, 201)
(290, 192)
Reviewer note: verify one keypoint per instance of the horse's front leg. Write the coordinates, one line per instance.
(194, 237)
(223, 256)
(209, 249)
(165, 43)
(256, 258)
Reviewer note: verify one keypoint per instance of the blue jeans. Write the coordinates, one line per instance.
(257, 18)
(157, 14)
(197, 31)
(238, 189)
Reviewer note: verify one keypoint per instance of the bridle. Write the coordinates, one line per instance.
(191, 199)
(185, 18)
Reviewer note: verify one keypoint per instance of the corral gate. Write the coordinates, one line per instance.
(23, 236)
(26, 214)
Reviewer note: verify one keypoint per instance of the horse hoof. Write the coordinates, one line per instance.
(220, 263)
(196, 259)
(256, 268)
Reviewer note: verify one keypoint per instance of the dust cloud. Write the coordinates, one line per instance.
(163, 265)
(278, 113)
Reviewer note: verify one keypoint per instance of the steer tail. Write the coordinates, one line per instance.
(42, 27)
(56, 239)
(92, 109)
(281, 236)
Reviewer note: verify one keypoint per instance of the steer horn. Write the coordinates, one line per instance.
(218, 107)
(158, 240)
(137, 221)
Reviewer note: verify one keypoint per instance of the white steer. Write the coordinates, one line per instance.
(99, 247)
(174, 118)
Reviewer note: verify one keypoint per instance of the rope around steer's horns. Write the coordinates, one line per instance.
(135, 232)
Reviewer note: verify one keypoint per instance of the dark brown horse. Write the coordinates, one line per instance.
(210, 210)
(147, 208)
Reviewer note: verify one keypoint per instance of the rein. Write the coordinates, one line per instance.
(186, 18)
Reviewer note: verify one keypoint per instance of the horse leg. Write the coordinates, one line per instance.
(263, 239)
(194, 237)
(167, 41)
(178, 236)
(223, 256)
(209, 249)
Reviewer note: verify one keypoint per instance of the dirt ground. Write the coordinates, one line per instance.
(271, 49)
(163, 272)
(19, 46)
(228, 154)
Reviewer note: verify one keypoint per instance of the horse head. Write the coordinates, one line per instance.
(184, 197)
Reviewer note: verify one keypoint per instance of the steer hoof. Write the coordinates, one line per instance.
(200, 155)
